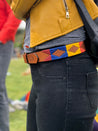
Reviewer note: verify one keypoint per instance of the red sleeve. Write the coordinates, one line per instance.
(10, 27)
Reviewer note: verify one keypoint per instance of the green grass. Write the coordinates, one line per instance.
(17, 86)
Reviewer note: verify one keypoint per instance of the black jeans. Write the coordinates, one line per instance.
(64, 95)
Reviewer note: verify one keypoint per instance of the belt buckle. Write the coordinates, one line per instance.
(32, 58)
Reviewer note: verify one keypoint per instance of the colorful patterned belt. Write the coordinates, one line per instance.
(55, 53)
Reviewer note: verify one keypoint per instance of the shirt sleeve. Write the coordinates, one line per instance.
(10, 27)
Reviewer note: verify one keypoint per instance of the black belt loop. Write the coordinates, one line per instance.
(27, 58)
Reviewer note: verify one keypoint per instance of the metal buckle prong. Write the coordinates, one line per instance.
(36, 56)
(26, 57)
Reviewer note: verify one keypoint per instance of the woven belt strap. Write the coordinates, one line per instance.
(55, 53)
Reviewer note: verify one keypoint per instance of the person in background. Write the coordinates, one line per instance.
(8, 27)
(62, 71)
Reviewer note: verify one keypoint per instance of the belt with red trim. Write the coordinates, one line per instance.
(55, 53)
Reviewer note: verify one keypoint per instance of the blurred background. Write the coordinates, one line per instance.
(18, 84)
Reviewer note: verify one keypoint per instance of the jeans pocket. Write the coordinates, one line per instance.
(53, 69)
(92, 88)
